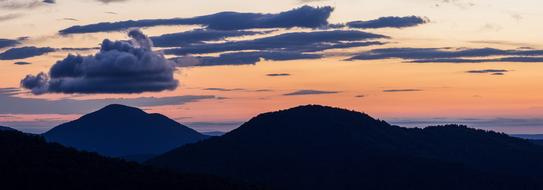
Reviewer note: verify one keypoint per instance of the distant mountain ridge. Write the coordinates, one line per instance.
(2, 128)
(118, 131)
(317, 147)
(28, 162)
(529, 136)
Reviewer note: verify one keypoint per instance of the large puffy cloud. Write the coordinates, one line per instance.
(119, 67)
(24, 52)
(452, 55)
(389, 22)
(198, 36)
(306, 16)
(295, 41)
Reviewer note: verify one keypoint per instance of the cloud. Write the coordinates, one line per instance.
(24, 4)
(24, 52)
(22, 63)
(461, 60)
(282, 47)
(37, 83)
(224, 89)
(403, 90)
(452, 55)
(294, 41)
(489, 71)
(278, 74)
(463, 4)
(198, 36)
(8, 43)
(119, 67)
(309, 92)
(9, 17)
(70, 19)
(389, 22)
(499, 42)
(111, 1)
(304, 17)
(310, 1)
(11, 104)
(242, 58)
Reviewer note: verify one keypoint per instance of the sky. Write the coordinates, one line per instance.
(212, 65)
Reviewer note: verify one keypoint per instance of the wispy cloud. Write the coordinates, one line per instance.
(12, 104)
(294, 41)
(24, 4)
(389, 22)
(24, 52)
(310, 92)
(403, 90)
(489, 71)
(199, 36)
(278, 75)
(10, 16)
(452, 55)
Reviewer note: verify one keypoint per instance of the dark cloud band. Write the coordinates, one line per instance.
(24, 52)
(389, 22)
(4, 43)
(310, 92)
(197, 37)
(450, 55)
(305, 17)
(295, 41)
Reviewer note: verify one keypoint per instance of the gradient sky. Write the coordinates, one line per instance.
(490, 92)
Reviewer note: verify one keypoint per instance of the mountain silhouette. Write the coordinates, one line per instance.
(2, 128)
(29, 162)
(316, 147)
(538, 142)
(122, 131)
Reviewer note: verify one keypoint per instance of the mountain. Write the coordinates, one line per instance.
(529, 136)
(29, 162)
(2, 128)
(316, 147)
(214, 133)
(538, 142)
(118, 131)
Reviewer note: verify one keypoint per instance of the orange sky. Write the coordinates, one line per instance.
(445, 90)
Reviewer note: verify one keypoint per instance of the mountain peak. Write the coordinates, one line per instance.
(118, 130)
(320, 147)
(313, 110)
(310, 118)
(118, 108)
(2, 128)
